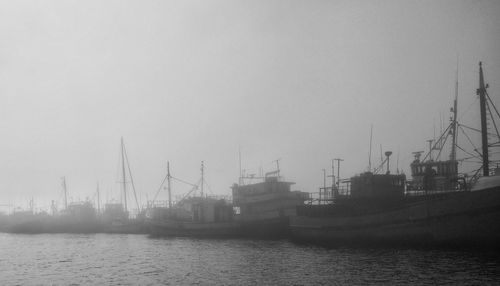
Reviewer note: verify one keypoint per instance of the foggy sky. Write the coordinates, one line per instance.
(186, 81)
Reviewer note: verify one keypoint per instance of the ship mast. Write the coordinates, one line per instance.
(201, 189)
(123, 176)
(453, 154)
(169, 186)
(481, 91)
(65, 193)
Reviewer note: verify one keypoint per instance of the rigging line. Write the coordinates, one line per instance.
(468, 153)
(474, 129)
(195, 187)
(131, 179)
(438, 142)
(441, 149)
(476, 172)
(187, 183)
(491, 114)
(209, 189)
(467, 158)
(206, 182)
(494, 107)
(467, 109)
(475, 162)
(159, 189)
(470, 141)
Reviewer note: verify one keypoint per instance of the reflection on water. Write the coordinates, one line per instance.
(140, 260)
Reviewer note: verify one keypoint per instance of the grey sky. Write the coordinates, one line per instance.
(187, 81)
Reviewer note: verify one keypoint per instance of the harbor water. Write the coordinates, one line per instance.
(111, 259)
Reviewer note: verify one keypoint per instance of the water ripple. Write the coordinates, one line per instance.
(69, 259)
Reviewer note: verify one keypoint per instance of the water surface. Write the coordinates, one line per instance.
(110, 259)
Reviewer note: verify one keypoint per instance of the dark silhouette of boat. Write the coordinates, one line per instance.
(82, 217)
(438, 206)
(258, 210)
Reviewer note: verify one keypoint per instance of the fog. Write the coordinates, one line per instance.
(301, 82)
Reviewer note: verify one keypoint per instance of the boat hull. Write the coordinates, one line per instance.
(459, 218)
(261, 229)
(193, 229)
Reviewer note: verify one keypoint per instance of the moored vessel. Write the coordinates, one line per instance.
(258, 210)
(192, 216)
(438, 205)
(264, 208)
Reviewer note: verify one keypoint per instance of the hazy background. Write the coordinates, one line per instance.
(185, 81)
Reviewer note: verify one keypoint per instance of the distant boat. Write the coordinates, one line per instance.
(262, 211)
(438, 206)
(82, 217)
(116, 218)
(195, 216)
(264, 208)
(78, 217)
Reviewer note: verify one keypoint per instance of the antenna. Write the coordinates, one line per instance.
(397, 163)
(333, 173)
(387, 154)
(324, 186)
(278, 167)
(338, 170)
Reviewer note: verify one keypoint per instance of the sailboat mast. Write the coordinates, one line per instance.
(481, 91)
(123, 176)
(169, 186)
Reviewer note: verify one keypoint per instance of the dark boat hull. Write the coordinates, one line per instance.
(262, 229)
(193, 229)
(55, 226)
(460, 218)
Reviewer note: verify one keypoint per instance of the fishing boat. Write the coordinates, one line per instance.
(195, 215)
(258, 210)
(81, 216)
(116, 217)
(438, 206)
(76, 217)
(264, 207)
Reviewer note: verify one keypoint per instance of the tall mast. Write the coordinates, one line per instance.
(278, 167)
(123, 176)
(240, 178)
(65, 193)
(453, 155)
(201, 190)
(169, 186)
(333, 174)
(481, 91)
(338, 171)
